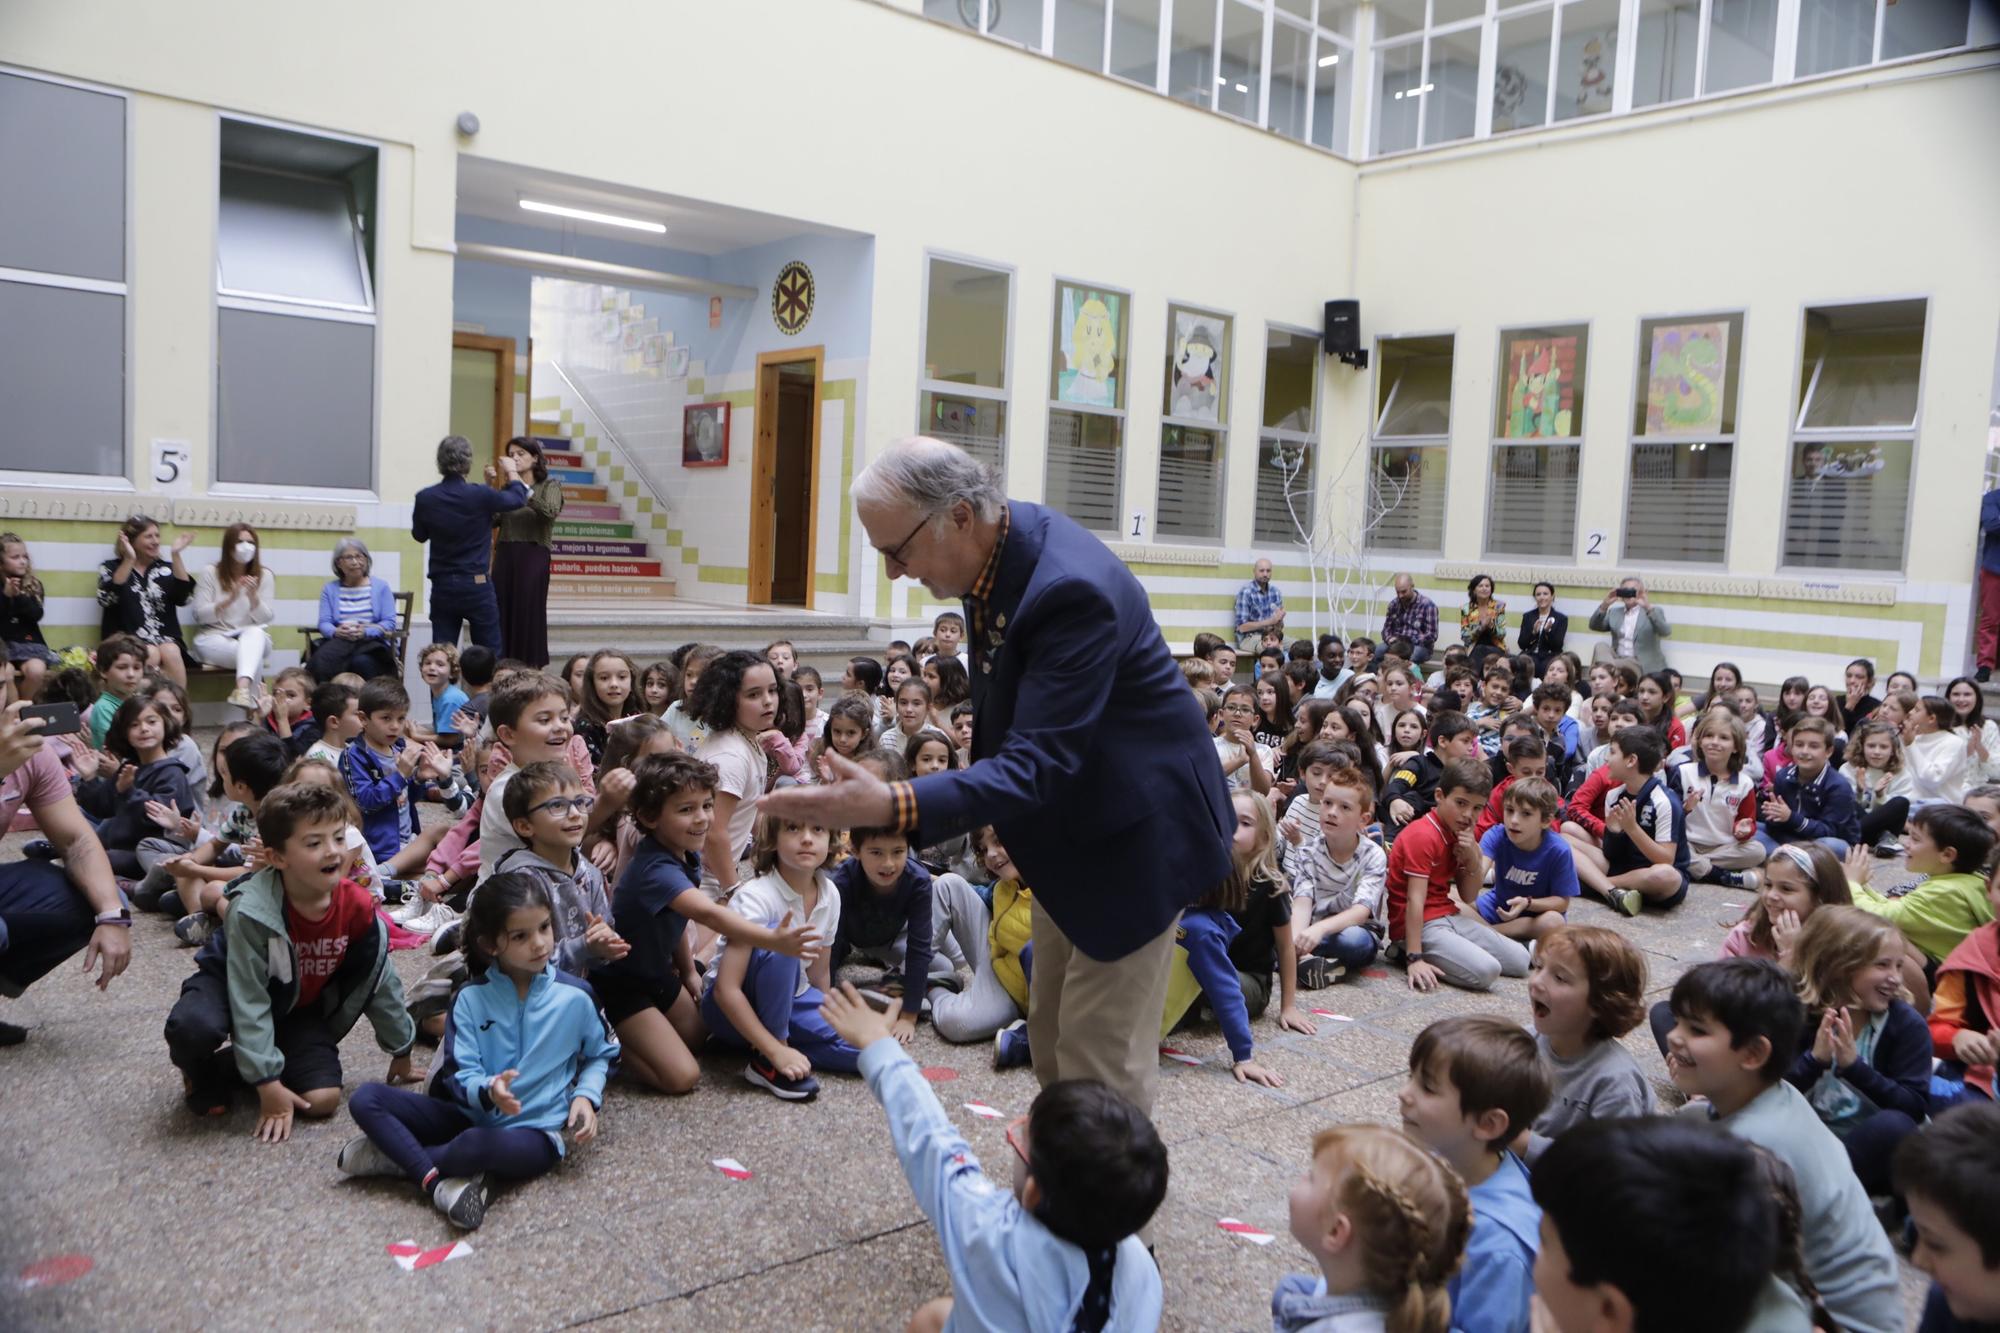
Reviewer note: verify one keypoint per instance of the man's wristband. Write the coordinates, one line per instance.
(121, 917)
(1412, 958)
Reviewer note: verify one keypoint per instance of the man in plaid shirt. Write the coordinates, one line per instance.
(1412, 616)
(1259, 607)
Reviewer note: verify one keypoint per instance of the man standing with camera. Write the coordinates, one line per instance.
(1635, 625)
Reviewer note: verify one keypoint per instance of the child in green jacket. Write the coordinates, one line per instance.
(1948, 845)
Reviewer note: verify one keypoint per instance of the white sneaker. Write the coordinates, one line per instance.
(435, 917)
(409, 909)
(360, 1156)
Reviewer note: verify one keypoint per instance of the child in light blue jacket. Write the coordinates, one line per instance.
(524, 1057)
(1043, 1257)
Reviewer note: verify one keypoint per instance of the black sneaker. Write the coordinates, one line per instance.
(1983, 675)
(1317, 973)
(768, 1078)
(462, 1199)
(12, 1034)
(41, 849)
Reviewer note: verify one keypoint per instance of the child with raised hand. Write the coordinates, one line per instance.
(142, 737)
(1476, 1083)
(1585, 989)
(1949, 1172)
(768, 1003)
(300, 957)
(1963, 1011)
(1338, 880)
(1429, 875)
(1948, 845)
(1654, 1225)
(548, 807)
(1736, 1023)
(1867, 1067)
(121, 667)
(287, 710)
(610, 693)
(1058, 1250)
(524, 1058)
(1719, 799)
(1534, 872)
(1386, 1223)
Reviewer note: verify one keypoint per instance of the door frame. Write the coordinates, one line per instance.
(503, 387)
(764, 472)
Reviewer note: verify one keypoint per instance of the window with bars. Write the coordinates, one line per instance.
(1537, 442)
(1086, 433)
(1847, 494)
(1194, 427)
(963, 394)
(1288, 444)
(1683, 439)
(1409, 442)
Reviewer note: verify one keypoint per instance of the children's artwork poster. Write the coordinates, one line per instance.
(1541, 388)
(1595, 62)
(654, 348)
(607, 327)
(676, 363)
(1686, 378)
(1195, 390)
(1836, 462)
(705, 435)
(1087, 323)
(637, 331)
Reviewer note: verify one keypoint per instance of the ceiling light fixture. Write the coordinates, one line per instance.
(1242, 88)
(1417, 91)
(585, 215)
(1324, 61)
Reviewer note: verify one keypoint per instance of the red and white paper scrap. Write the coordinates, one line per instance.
(412, 1256)
(1328, 1013)
(1179, 1056)
(1245, 1230)
(985, 1112)
(730, 1167)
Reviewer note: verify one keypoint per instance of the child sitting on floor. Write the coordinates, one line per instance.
(888, 915)
(525, 1058)
(1338, 883)
(1584, 989)
(1411, 787)
(1476, 1082)
(995, 942)
(1949, 1171)
(1948, 845)
(1263, 941)
(1645, 853)
(337, 708)
(1521, 757)
(1736, 1021)
(1718, 788)
(1962, 1015)
(142, 737)
(1433, 866)
(387, 773)
(1058, 1251)
(1534, 872)
(1386, 1223)
(121, 667)
(548, 807)
(287, 710)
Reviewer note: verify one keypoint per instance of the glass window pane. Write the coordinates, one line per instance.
(1337, 16)
(1742, 41)
(1079, 37)
(1291, 79)
(1532, 506)
(1688, 375)
(1452, 11)
(294, 401)
(1669, 33)
(1085, 462)
(1835, 34)
(1451, 87)
(1285, 481)
(1239, 79)
(976, 425)
(963, 13)
(62, 158)
(1299, 9)
(62, 380)
(1935, 25)
(1541, 383)
(1848, 505)
(1413, 386)
(1191, 74)
(1393, 18)
(1291, 376)
(1869, 359)
(1135, 40)
(1018, 21)
(1190, 482)
(1406, 498)
(1089, 346)
(1397, 71)
(286, 236)
(1586, 59)
(1197, 365)
(1521, 71)
(1678, 509)
(965, 329)
(1330, 96)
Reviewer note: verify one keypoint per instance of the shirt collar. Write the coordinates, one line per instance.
(982, 587)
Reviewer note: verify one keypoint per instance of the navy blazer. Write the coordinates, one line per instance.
(1091, 756)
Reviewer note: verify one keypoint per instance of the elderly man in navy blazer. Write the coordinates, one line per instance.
(1091, 757)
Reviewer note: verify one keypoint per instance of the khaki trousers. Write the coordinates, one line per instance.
(1088, 1019)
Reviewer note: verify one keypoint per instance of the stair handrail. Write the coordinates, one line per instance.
(632, 464)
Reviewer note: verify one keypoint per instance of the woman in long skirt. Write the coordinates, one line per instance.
(521, 560)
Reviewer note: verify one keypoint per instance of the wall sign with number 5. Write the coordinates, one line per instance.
(1595, 545)
(173, 467)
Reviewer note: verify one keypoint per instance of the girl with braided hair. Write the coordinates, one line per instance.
(1387, 1221)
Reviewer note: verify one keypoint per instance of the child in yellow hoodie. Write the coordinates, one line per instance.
(995, 941)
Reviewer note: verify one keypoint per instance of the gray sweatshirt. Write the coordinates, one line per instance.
(576, 893)
(1601, 1083)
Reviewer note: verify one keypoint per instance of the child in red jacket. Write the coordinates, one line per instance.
(1963, 1005)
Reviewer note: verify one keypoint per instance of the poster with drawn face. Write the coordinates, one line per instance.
(1541, 388)
(1194, 388)
(1087, 326)
(1686, 378)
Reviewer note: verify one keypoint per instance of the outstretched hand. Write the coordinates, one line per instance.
(853, 1018)
(851, 797)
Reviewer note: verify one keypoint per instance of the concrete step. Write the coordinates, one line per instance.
(573, 476)
(589, 547)
(590, 513)
(595, 495)
(561, 567)
(591, 530)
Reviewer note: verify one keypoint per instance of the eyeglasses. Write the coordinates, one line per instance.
(894, 555)
(1014, 1128)
(563, 805)
(1244, 709)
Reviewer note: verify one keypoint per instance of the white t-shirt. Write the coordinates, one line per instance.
(767, 898)
(740, 768)
(496, 832)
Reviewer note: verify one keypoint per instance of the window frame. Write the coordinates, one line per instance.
(926, 385)
(1221, 425)
(123, 482)
(1734, 439)
(1377, 440)
(1495, 441)
(1121, 414)
(1311, 439)
(1796, 434)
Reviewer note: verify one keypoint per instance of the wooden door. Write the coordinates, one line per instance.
(784, 519)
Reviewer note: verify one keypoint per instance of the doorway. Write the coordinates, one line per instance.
(482, 391)
(784, 520)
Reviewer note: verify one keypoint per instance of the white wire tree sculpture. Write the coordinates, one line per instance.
(1337, 542)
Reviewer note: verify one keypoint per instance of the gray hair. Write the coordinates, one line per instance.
(351, 544)
(454, 456)
(932, 476)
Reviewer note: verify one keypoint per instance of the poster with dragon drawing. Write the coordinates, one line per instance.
(1541, 388)
(1686, 379)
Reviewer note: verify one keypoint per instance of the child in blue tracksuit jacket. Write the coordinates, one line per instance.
(1205, 932)
(524, 1057)
(1041, 1258)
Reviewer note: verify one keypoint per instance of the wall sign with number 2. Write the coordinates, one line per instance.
(1595, 545)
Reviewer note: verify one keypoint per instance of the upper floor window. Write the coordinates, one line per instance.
(964, 397)
(1086, 437)
(1409, 444)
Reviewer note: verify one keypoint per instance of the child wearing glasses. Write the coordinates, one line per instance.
(548, 808)
(1243, 760)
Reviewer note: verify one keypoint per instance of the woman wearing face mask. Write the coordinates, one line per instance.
(234, 598)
